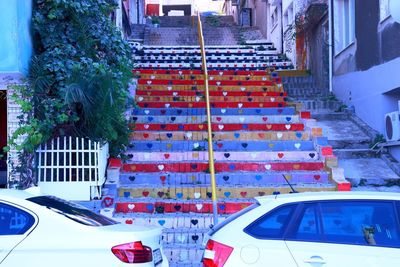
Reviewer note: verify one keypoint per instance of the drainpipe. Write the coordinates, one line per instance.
(330, 14)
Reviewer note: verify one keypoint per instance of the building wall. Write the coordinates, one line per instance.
(275, 29)
(366, 72)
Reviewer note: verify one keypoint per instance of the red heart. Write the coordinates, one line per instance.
(280, 155)
(219, 118)
(129, 221)
(163, 111)
(261, 194)
(163, 178)
(160, 194)
(145, 193)
(243, 194)
(145, 135)
(265, 118)
(219, 145)
(317, 177)
(261, 135)
(166, 156)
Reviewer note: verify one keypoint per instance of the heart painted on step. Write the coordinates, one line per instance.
(127, 194)
(267, 166)
(160, 194)
(280, 155)
(296, 166)
(146, 111)
(297, 145)
(225, 177)
(180, 127)
(219, 145)
(241, 119)
(132, 178)
(179, 195)
(220, 126)
(145, 193)
(179, 111)
(223, 111)
(167, 105)
(149, 145)
(150, 207)
(150, 119)
(258, 177)
(279, 135)
(163, 126)
(276, 193)
(193, 166)
(261, 194)
(258, 111)
(194, 221)
(272, 99)
(224, 93)
(240, 105)
(163, 178)
(253, 155)
(160, 167)
(134, 118)
(245, 126)
(196, 145)
(166, 156)
(269, 126)
(232, 167)
(264, 118)
(227, 155)
(177, 207)
(161, 222)
(173, 118)
(131, 206)
(163, 111)
(209, 194)
(222, 206)
(312, 155)
(244, 145)
(196, 195)
(200, 206)
(243, 194)
(169, 135)
(148, 82)
(140, 98)
(236, 135)
(169, 146)
(201, 126)
(299, 135)
(146, 126)
(195, 238)
(189, 135)
(288, 118)
(317, 177)
(227, 194)
(133, 167)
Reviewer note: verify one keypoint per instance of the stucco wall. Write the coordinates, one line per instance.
(15, 40)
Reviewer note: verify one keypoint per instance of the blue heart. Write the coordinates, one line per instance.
(127, 194)
(288, 118)
(232, 167)
(150, 118)
(169, 135)
(180, 126)
(258, 111)
(299, 135)
(179, 195)
(149, 145)
(222, 207)
(237, 135)
(227, 194)
(161, 222)
(276, 193)
(258, 177)
(245, 126)
(149, 207)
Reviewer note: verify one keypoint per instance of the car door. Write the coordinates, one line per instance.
(15, 224)
(346, 233)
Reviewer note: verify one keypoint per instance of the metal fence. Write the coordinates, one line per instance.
(72, 168)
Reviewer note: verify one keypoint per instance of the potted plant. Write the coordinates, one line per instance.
(155, 21)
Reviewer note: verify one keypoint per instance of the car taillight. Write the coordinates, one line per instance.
(216, 254)
(133, 252)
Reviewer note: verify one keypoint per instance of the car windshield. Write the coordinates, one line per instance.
(72, 211)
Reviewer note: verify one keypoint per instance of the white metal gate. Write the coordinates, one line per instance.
(72, 168)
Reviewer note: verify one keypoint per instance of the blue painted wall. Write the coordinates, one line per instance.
(15, 39)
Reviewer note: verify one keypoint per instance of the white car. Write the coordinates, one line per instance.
(338, 229)
(44, 231)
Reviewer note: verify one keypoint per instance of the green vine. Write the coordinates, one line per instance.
(78, 79)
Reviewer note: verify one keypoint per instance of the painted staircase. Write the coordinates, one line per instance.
(258, 138)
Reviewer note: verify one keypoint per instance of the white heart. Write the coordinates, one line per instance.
(140, 98)
(220, 126)
(160, 167)
(148, 82)
(181, 238)
(175, 93)
(267, 166)
(196, 145)
(225, 93)
(272, 99)
(211, 78)
(189, 135)
(146, 111)
(241, 119)
(199, 206)
(147, 155)
(253, 155)
(287, 126)
(152, 77)
(131, 206)
(167, 105)
(279, 135)
(223, 111)
(218, 83)
(146, 126)
(264, 78)
(197, 195)
(169, 88)
(297, 145)
(243, 88)
(221, 73)
(197, 98)
(180, 72)
(240, 105)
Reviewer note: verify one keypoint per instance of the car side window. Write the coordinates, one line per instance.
(308, 225)
(273, 224)
(14, 221)
(361, 223)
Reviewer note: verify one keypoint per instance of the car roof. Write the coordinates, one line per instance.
(330, 195)
(14, 194)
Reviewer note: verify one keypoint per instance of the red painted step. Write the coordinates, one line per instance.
(201, 93)
(218, 127)
(201, 82)
(199, 72)
(213, 104)
(223, 167)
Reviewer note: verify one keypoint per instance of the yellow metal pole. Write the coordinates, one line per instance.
(210, 141)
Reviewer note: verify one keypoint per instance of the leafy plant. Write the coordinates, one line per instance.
(78, 78)
(379, 138)
(155, 20)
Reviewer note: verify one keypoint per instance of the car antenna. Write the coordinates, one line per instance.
(291, 187)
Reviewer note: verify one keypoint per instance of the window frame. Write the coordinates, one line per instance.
(383, 17)
(292, 226)
(344, 28)
(27, 211)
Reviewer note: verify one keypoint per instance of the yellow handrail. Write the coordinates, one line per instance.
(210, 141)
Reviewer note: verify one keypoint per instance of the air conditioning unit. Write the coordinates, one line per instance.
(392, 126)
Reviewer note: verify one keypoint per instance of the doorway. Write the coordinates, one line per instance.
(3, 138)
